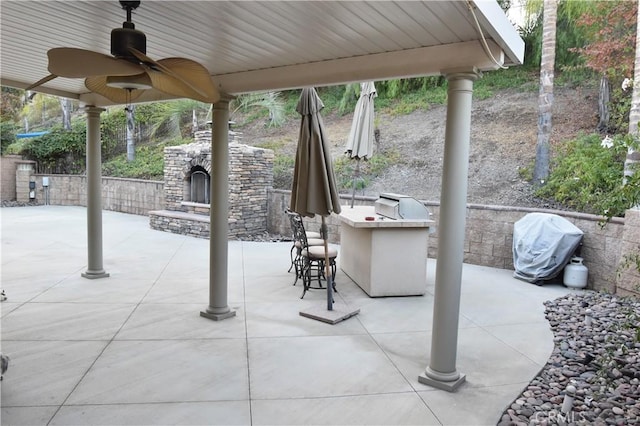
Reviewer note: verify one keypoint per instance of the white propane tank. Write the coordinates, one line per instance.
(575, 273)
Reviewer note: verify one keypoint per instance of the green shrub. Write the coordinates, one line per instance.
(112, 123)
(587, 177)
(148, 164)
(526, 172)
(8, 131)
(64, 149)
(275, 145)
(344, 169)
(413, 102)
(283, 166)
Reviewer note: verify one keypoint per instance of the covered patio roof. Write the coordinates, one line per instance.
(273, 45)
(265, 45)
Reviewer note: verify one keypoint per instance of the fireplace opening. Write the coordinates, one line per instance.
(198, 185)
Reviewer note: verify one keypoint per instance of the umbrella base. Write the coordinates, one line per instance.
(330, 317)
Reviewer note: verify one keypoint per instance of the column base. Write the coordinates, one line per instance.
(217, 316)
(92, 275)
(440, 383)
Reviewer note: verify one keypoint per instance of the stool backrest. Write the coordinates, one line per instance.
(297, 226)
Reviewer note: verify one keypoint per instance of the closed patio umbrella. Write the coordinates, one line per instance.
(314, 184)
(360, 142)
(314, 190)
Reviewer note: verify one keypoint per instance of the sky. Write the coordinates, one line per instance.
(516, 12)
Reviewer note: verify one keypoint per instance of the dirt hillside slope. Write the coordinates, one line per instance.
(503, 140)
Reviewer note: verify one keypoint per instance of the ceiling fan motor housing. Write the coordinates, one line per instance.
(122, 39)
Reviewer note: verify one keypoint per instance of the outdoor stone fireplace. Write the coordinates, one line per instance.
(187, 182)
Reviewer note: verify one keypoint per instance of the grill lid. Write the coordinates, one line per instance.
(397, 206)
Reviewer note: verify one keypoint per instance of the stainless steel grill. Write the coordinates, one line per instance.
(396, 206)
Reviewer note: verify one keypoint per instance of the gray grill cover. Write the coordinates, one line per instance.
(543, 244)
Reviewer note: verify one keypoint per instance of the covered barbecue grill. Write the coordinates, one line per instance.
(543, 244)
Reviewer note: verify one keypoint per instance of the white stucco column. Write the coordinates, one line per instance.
(441, 372)
(94, 195)
(218, 308)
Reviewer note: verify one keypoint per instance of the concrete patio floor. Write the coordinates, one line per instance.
(133, 349)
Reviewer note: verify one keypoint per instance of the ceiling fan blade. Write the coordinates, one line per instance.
(80, 63)
(114, 94)
(193, 74)
(180, 77)
(41, 82)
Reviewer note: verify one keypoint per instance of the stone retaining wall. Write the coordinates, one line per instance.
(489, 235)
(135, 196)
(8, 167)
(629, 277)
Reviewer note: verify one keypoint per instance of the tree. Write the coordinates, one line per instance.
(65, 106)
(173, 118)
(610, 27)
(611, 31)
(10, 103)
(39, 108)
(545, 97)
(131, 127)
(270, 101)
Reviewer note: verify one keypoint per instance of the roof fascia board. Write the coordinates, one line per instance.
(493, 20)
(408, 63)
(49, 91)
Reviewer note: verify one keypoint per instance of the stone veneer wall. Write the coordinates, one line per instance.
(250, 177)
(489, 235)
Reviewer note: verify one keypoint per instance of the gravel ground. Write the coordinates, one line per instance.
(7, 203)
(596, 359)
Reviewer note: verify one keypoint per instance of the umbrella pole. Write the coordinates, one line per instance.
(327, 269)
(356, 174)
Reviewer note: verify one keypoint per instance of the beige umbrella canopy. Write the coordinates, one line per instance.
(361, 137)
(314, 188)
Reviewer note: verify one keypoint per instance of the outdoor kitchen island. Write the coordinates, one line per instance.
(384, 256)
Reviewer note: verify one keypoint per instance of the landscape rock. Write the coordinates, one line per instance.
(600, 362)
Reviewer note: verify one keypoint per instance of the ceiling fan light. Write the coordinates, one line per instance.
(130, 82)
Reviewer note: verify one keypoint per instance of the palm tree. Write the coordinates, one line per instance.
(270, 101)
(65, 107)
(545, 97)
(170, 116)
(131, 139)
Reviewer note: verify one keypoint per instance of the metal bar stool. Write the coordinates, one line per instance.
(312, 239)
(310, 259)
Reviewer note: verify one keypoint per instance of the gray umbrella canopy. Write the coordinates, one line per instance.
(314, 188)
(361, 136)
(360, 142)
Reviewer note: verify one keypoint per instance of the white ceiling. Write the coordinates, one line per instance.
(264, 45)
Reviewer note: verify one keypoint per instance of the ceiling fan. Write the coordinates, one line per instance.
(129, 72)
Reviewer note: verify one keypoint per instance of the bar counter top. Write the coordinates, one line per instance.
(355, 217)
